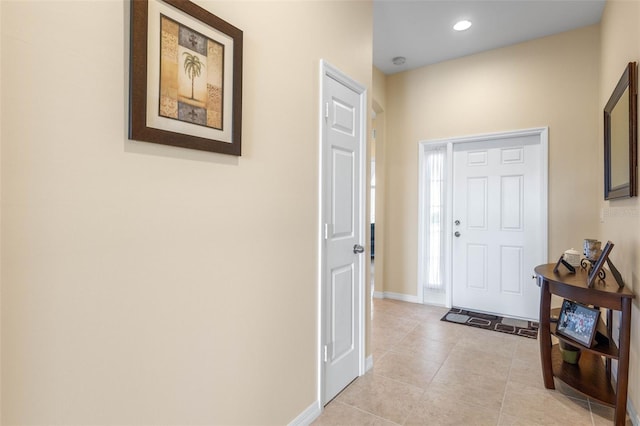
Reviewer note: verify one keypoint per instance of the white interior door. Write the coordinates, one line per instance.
(343, 228)
(499, 226)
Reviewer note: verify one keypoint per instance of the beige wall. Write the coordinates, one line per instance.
(621, 44)
(145, 284)
(546, 82)
(379, 89)
(379, 124)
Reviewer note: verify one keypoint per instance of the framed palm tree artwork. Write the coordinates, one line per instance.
(185, 77)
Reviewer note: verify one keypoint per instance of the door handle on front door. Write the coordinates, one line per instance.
(357, 249)
(457, 234)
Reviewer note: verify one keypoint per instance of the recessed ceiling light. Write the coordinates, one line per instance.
(399, 60)
(462, 25)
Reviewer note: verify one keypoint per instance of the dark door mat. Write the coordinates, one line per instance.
(493, 322)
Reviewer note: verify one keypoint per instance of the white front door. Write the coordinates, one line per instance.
(343, 133)
(499, 226)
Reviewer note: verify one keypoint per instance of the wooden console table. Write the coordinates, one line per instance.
(591, 376)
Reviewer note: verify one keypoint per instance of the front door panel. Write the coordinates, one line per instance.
(499, 239)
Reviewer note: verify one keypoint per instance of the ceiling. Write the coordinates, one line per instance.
(421, 30)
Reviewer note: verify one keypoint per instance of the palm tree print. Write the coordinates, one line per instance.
(192, 67)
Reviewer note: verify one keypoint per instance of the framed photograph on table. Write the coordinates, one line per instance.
(597, 270)
(578, 322)
(185, 77)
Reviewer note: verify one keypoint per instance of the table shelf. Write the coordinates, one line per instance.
(609, 350)
(589, 376)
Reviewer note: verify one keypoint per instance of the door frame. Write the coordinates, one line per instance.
(329, 71)
(423, 147)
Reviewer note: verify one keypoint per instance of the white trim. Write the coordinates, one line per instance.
(397, 296)
(330, 71)
(368, 364)
(435, 298)
(631, 410)
(544, 185)
(307, 416)
(633, 414)
(535, 131)
(345, 80)
(448, 228)
(424, 146)
(321, 253)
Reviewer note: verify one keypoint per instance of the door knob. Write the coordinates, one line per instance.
(457, 234)
(357, 249)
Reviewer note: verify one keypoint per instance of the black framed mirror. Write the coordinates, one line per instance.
(620, 137)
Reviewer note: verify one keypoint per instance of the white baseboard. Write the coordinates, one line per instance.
(368, 363)
(633, 414)
(631, 410)
(307, 416)
(396, 296)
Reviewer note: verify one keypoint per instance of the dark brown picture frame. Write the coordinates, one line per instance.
(597, 267)
(578, 322)
(566, 264)
(614, 142)
(139, 81)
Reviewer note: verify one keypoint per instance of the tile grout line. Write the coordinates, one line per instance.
(504, 393)
(367, 412)
(418, 323)
(430, 382)
(392, 380)
(398, 381)
(593, 421)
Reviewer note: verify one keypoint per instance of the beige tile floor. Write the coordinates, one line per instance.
(429, 372)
